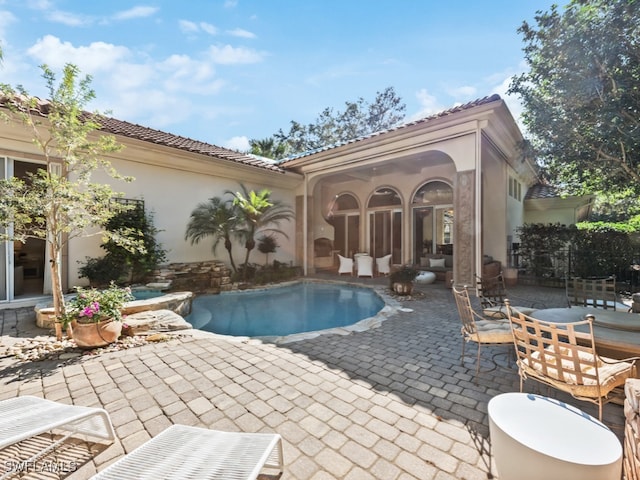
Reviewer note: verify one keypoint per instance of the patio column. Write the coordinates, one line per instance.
(464, 198)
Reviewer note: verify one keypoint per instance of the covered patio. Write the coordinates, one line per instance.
(446, 185)
(388, 403)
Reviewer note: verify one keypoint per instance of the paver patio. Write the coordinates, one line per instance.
(389, 403)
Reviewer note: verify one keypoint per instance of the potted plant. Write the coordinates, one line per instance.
(401, 280)
(95, 316)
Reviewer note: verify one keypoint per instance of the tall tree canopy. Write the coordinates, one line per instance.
(581, 94)
(358, 118)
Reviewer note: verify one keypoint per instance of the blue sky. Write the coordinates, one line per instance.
(226, 71)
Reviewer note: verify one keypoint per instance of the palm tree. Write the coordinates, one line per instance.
(258, 212)
(216, 218)
(268, 147)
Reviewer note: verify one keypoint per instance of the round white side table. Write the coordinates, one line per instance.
(539, 438)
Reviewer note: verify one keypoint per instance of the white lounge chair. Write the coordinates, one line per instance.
(25, 417)
(185, 452)
(346, 265)
(364, 265)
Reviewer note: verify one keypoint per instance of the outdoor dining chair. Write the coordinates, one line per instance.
(477, 328)
(594, 292)
(492, 292)
(563, 356)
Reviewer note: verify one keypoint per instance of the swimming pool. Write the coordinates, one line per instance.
(145, 293)
(280, 311)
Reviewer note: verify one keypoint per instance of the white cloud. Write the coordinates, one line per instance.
(135, 12)
(161, 109)
(428, 105)
(239, 32)
(183, 74)
(240, 144)
(96, 57)
(40, 4)
(228, 55)
(69, 19)
(230, 3)
(208, 28)
(189, 27)
(512, 101)
(465, 93)
(6, 19)
(130, 76)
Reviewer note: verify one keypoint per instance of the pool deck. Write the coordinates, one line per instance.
(388, 403)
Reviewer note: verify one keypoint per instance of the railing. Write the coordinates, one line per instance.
(551, 268)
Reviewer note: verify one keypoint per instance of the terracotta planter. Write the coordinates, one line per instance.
(98, 334)
(402, 288)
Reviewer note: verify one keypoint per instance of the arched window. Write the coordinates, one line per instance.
(434, 193)
(384, 197)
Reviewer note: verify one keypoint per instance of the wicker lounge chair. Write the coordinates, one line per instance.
(187, 452)
(25, 417)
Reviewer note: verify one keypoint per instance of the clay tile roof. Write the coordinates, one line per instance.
(444, 113)
(541, 190)
(131, 130)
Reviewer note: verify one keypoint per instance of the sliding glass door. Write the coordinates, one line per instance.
(346, 234)
(385, 234)
(433, 218)
(6, 252)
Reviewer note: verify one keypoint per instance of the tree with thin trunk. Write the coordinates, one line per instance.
(60, 202)
(259, 213)
(216, 218)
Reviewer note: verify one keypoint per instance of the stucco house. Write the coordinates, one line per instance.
(452, 183)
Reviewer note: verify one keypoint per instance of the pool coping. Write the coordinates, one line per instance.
(391, 308)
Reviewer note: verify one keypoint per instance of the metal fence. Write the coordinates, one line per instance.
(551, 268)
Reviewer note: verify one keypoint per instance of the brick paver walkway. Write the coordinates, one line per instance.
(388, 403)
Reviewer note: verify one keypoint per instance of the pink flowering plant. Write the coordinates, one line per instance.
(92, 305)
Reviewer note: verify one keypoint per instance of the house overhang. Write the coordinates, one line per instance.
(408, 149)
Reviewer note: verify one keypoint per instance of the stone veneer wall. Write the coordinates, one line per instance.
(197, 277)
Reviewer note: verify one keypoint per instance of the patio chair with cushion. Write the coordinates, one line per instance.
(383, 265)
(477, 328)
(491, 292)
(183, 451)
(563, 356)
(346, 265)
(594, 292)
(25, 417)
(364, 266)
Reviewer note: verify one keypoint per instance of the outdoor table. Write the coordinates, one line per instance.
(616, 334)
(539, 438)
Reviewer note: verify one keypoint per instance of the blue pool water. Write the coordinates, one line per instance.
(301, 307)
(143, 294)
